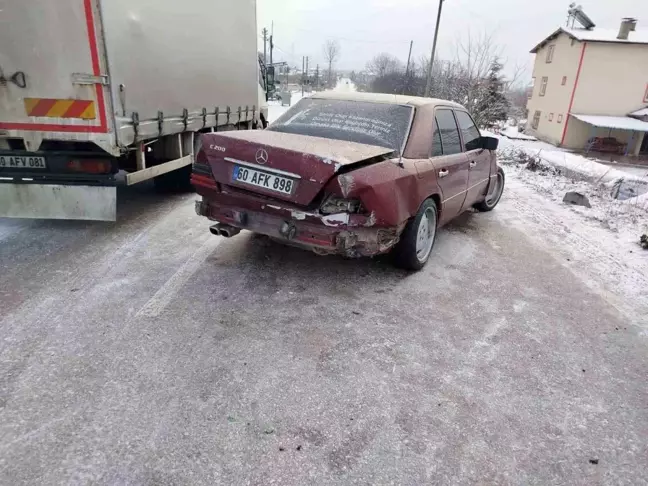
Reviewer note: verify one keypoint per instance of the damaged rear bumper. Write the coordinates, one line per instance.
(332, 234)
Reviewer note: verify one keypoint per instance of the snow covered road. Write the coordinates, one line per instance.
(150, 352)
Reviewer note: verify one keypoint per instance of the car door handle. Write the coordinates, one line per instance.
(472, 164)
(443, 172)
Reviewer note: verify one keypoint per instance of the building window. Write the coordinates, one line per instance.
(550, 53)
(564, 81)
(645, 100)
(536, 120)
(543, 86)
(550, 116)
(559, 118)
(530, 90)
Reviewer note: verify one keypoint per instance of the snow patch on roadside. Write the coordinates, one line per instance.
(601, 244)
(515, 134)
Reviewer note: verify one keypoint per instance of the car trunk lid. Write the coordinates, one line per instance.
(284, 166)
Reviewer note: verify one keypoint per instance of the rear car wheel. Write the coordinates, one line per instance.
(494, 194)
(417, 240)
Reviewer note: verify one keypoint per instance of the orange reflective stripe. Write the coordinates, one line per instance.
(30, 104)
(42, 107)
(89, 112)
(55, 108)
(59, 108)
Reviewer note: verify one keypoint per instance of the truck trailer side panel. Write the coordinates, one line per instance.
(175, 60)
(51, 56)
(95, 88)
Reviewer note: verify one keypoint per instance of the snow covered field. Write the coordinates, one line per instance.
(148, 351)
(602, 242)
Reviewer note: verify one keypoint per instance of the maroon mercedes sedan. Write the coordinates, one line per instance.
(356, 174)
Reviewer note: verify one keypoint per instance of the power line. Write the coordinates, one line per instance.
(368, 41)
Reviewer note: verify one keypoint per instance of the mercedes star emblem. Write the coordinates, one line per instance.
(261, 156)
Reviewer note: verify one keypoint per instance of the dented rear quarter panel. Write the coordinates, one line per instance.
(391, 193)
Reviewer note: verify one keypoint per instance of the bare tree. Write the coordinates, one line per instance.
(384, 63)
(517, 77)
(473, 77)
(331, 55)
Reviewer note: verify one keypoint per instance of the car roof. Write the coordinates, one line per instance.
(383, 98)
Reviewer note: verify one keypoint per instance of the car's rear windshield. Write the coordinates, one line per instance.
(382, 124)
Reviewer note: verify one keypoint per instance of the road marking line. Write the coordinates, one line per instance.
(167, 292)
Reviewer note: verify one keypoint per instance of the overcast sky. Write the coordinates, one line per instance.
(367, 27)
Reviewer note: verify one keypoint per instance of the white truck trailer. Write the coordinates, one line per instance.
(94, 93)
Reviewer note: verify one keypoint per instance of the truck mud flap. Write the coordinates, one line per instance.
(58, 201)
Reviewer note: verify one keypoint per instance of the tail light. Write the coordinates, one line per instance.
(90, 166)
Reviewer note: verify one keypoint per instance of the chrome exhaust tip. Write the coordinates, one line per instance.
(224, 230)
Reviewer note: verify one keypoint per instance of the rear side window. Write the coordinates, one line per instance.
(449, 132)
(468, 130)
(437, 147)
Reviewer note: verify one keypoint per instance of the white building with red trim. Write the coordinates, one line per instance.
(590, 87)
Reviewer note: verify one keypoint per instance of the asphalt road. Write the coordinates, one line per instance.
(149, 352)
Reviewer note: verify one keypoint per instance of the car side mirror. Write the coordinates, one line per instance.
(489, 143)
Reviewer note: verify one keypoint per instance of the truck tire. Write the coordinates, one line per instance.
(178, 180)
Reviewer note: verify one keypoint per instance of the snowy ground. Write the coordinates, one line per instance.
(148, 351)
(602, 240)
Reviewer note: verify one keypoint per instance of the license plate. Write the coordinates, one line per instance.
(22, 162)
(265, 180)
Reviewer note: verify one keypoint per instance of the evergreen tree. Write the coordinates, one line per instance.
(492, 105)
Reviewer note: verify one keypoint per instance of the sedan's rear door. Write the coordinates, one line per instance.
(450, 163)
(479, 160)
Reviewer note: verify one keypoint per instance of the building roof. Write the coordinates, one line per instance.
(620, 122)
(382, 98)
(596, 35)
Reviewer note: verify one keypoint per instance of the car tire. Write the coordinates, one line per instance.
(417, 239)
(491, 200)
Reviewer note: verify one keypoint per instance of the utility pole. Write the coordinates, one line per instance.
(317, 78)
(271, 47)
(307, 77)
(265, 40)
(302, 79)
(409, 58)
(428, 84)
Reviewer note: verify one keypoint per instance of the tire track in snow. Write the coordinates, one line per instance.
(598, 263)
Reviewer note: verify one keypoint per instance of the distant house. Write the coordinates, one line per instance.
(591, 88)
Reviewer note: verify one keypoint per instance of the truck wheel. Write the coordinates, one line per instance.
(178, 180)
(417, 240)
(494, 196)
